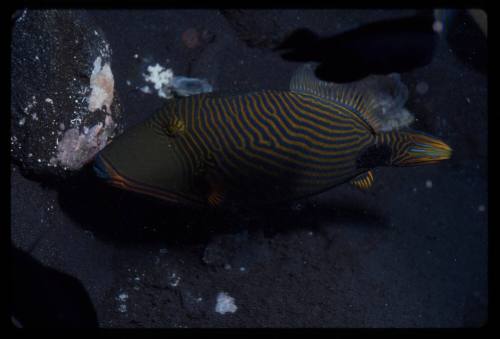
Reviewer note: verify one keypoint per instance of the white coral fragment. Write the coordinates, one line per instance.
(161, 78)
(102, 84)
(225, 304)
(76, 149)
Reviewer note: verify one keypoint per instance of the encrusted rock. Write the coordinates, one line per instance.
(64, 107)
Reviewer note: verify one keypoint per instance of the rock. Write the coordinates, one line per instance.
(191, 38)
(64, 107)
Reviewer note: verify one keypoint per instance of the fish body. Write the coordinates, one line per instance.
(262, 147)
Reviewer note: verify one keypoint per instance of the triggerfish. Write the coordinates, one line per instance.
(262, 147)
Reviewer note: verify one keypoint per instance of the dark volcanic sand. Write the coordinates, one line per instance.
(402, 254)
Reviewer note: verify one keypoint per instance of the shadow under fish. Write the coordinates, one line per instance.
(131, 219)
(383, 47)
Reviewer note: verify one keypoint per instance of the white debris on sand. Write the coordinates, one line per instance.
(402, 119)
(122, 299)
(161, 78)
(225, 304)
(437, 26)
(102, 84)
(174, 280)
(428, 184)
(165, 83)
(146, 89)
(185, 86)
(390, 95)
(30, 105)
(481, 208)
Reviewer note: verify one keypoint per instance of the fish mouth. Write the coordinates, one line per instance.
(426, 150)
(100, 168)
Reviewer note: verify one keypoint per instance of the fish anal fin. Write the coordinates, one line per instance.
(214, 187)
(363, 181)
(215, 196)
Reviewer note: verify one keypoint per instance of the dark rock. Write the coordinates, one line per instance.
(64, 108)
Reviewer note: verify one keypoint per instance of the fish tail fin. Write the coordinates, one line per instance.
(416, 148)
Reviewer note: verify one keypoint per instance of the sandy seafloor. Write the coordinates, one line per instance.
(402, 254)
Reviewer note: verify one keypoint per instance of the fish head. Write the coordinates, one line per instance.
(142, 160)
(417, 148)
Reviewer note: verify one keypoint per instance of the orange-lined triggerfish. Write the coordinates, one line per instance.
(262, 147)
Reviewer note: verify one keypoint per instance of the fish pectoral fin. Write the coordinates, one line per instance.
(174, 126)
(363, 181)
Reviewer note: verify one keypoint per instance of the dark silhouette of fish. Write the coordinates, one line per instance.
(383, 47)
(266, 146)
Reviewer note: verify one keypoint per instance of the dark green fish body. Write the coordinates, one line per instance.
(261, 147)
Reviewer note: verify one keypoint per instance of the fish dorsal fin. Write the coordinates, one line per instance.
(363, 181)
(369, 98)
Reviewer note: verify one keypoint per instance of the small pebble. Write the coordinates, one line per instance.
(422, 87)
(437, 26)
(481, 208)
(225, 304)
(428, 184)
(123, 297)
